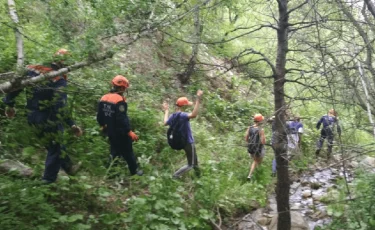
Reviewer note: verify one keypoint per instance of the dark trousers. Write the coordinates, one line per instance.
(326, 133)
(50, 133)
(122, 147)
(192, 161)
(56, 159)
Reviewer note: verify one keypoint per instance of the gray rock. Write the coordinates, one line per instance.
(10, 166)
(354, 164)
(298, 222)
(264, 221)
(295, 185)
(306, 193)
(368, 162)
(296, 206)
(247, 223)
(257, 214)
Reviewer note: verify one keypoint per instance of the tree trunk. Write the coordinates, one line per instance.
(18, 32)
(282, 189)
(367, 97)
(185, 77)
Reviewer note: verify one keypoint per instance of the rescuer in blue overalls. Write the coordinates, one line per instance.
(47, 105)
(114, 122)
(330, 125)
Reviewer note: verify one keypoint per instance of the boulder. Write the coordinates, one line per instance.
(368, 162)
(11, 166)
(298, 222)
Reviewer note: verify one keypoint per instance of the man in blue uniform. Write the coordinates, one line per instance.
(330, 123)
(114, 122)
(47, 105)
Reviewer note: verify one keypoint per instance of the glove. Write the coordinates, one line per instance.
(76, 130)
(10, 112)
(133, 136)
(103, 130)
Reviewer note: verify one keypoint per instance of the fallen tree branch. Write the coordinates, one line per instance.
(21, 82)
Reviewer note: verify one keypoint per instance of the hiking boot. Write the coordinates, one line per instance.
(139, 173)
(273, 174)
(45, 182)
(249, 178)
(317, 153)
(72, 171)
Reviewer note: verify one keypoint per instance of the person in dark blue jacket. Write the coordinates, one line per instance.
(114, 122)
(46, 105)
(330, 125)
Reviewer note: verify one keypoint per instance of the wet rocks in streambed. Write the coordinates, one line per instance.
(298, 222)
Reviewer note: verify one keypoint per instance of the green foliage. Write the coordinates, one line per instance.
(94, 200)
(358, 213)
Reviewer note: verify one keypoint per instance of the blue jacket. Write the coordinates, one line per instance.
(46, 101)
(112, 115)
(329, 123)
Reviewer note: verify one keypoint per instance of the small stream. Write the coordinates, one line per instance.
(309, 194)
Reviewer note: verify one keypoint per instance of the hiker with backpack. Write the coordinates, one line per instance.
(330, 125)
(179, 133)
(256, 140)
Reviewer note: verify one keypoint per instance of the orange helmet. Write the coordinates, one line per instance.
(121, 81)
(61, 52)
(258, 117)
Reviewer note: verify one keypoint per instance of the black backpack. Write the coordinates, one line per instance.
(176, 139)
(254, 145)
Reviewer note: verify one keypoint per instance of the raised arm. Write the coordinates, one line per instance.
(196, 107)
(166, 112)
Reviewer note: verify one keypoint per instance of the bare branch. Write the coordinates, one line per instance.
(297, 7)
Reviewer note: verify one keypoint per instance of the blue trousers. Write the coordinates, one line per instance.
(326, 133)
(122, 147)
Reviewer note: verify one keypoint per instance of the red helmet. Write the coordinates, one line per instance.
(121, 81)
(258, 117)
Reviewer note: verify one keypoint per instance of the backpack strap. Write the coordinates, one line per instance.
(176, 120)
